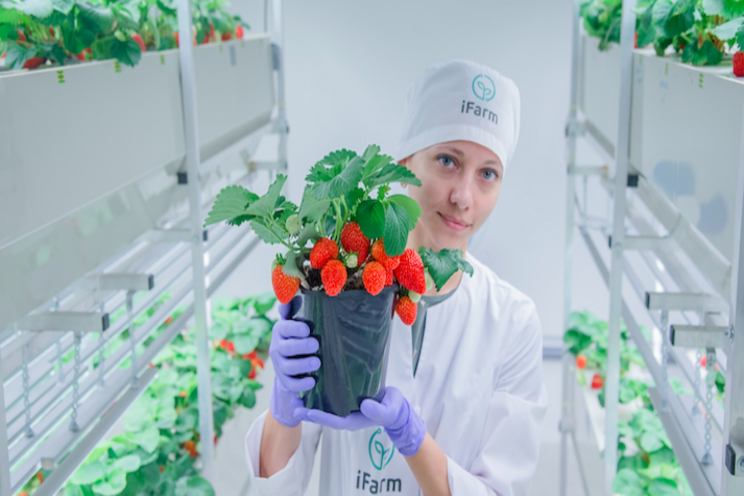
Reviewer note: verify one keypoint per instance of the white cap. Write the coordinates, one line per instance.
(461, 100)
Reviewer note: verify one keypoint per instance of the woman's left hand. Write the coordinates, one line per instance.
(404, 427)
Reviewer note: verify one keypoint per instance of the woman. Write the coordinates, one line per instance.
(463, 409)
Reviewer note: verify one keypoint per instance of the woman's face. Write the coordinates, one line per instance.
(460, 183)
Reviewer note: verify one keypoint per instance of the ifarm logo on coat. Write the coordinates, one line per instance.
(378, 455)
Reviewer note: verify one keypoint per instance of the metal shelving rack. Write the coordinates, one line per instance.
(65, 384)
(691, 293)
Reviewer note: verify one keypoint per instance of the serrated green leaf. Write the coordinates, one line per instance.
(371, 218)
(343, 183)
(89, 473)
(650, 442)
(353, 198)
(273, 236)
(392, 173)
(370, 152)
(727, 30)
(628, 483)
(443, 264)
(396, 229)
(330, 166)
(231, 202)
(285, 210)
(127, 52)
(681, 18)
(97, 18)
(17, 55)
(312, 209)
(128, 463)
(412, 208)
(290, 267)
(733, 8)
(265, 205)
(148, 439)
(248, 399)
(713, 7)
(37, 8)
(115, 483)
(194, 486)
(10, 16)
(309, 232)
(663, 487)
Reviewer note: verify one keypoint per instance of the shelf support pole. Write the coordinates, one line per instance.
(568, 386)
(733, 416)
(277, 36)
(188, 92)
(622, 150)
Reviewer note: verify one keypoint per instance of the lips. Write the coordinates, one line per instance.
(453, 222)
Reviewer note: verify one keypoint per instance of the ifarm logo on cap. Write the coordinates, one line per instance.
(483, 88)
(378, 455)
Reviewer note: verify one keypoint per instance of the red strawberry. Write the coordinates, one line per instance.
(239, 32)
(211, 31)
(580, 362)
(374, 277)
(139, 41)
(378, 253)
(354, 241)
(410, 272)
(597, 381)
(81, 56)
(324, 250)
(176, 37)
(333, 276)
(739, 64)
(252, 354)
(388, 277)
(252, 374)
(285, 287)
(635, 42)
(40, 476)
(406, 310)
(21, 37)
(226, 36)
(34, 62)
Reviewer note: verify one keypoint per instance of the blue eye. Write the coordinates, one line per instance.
(490, 175)
(446, 161)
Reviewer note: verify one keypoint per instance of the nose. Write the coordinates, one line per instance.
(461, 194)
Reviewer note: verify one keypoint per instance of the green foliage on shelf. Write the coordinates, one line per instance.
(646, 461)
(700, 31)
(75, 30)
(156, 453)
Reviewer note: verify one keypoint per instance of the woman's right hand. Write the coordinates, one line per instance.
(290, 345)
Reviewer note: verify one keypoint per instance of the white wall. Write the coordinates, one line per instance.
(349, 63)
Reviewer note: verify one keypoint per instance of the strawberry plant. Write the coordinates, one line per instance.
(34, 31)
(160, 443)
(348, 233)
(646, 462)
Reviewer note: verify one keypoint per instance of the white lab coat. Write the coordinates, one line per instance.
(478, 387)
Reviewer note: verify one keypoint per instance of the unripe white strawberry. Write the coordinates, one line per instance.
(293, 224)
(415, 297)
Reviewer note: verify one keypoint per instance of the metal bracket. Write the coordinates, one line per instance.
(276, 56)
(686, 336)
(65, 321)
(120, 282)
(734, 459)
(575, 128)
(645, 243)
(183, 178)
(693, 302)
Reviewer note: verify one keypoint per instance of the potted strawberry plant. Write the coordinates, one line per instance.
(346, 254)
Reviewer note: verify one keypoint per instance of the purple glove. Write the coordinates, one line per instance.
(404, 427)
(289, 348)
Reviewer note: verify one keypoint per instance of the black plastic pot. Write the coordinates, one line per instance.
(353, 330)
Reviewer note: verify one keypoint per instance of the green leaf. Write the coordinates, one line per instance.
(628, 483)
(396, 229)
(264, 302)
(127, 52)
(245, 343)
(371, 218)
(10, 15)
(115, 483)
(273, 236)
(128, 463)
(411, 207)
(290, 267)
(148, 440)
(343, 183)
(650, 442)
(330, 166)
(37, 8)
(646, 28)
(663, 487)
(194, 486)
(88, 473)
(733, 8)
(17, 55)
(309, 232)
(248, 399)
(97, 18)
(265, 206)
(392, 173)
(727, 30)
(375, 164)
(713, 7)
(63, 6)
(681, 18)
(312, 209)
(443, 264)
